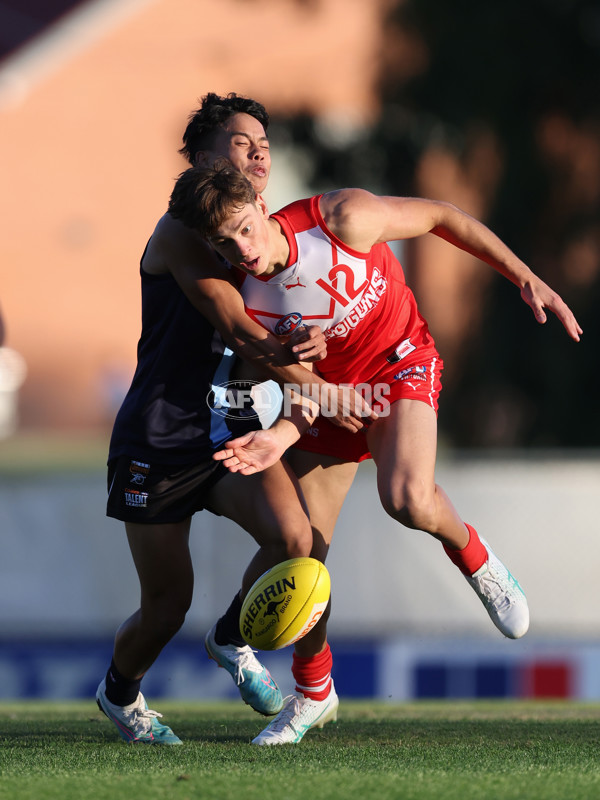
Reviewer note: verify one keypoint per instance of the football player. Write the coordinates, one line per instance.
(326, 258)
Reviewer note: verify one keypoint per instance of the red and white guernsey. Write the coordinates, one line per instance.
(359, 300)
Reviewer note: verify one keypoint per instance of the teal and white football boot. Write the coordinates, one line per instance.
(254, 681)
(502, 596)
(136, 722)
(298, 716)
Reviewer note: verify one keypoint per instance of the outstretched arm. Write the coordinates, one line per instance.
(362, 219)
(468, 234)
(257, 450)
(253, 452)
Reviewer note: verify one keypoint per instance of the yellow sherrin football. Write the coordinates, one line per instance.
(285, 603)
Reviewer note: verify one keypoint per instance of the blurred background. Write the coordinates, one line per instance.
(494, 107)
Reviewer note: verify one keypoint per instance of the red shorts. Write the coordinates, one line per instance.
(417, 378)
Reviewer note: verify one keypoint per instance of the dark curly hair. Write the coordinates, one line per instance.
(212, 115)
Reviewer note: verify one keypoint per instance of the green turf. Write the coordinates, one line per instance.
(431, 750)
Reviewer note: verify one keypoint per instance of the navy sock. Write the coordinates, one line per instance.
(228, 626)
(120, 690)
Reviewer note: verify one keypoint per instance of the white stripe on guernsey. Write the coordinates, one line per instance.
(218, 432)
(315, 687)
(432, 392)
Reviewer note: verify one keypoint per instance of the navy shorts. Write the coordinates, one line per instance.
(159, 493)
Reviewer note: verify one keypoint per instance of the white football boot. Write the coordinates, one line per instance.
(500, 593)
(298, 715)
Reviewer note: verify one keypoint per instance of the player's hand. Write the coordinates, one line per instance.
(343, 406)
(307, 343)
(253, 452)
(538, 296)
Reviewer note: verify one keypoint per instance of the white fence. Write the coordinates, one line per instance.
(65, 567)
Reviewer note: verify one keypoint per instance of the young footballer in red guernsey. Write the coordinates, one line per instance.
(325, 259)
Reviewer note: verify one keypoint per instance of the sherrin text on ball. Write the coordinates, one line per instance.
(285, 603)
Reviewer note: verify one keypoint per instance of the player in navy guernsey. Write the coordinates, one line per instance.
(161, 470)
(326, 259)
(165, 416)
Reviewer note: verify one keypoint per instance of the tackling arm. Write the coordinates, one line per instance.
(258, 450)
(208, 286)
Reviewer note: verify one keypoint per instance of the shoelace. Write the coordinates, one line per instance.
(141, 719)
(492, 588)
(287, 713)
(245, 659)
(148, 712)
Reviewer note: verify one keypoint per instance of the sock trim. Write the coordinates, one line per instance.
(120, 691)
(472, 557)
(313, 674)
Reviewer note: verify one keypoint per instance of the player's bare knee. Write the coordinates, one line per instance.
(298, 547)
(170, 622)
(412, 505)
(166, 614)
(298, 539)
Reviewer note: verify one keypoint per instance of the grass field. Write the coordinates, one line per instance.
(500, 750)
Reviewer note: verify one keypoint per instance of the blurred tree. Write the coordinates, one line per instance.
(530, 73)
(496, 107)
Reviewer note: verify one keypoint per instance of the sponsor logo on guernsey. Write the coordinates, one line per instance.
(369, 299)
(136, 499)
(288, 324)
(404, 348)
(412, 373)
(295, 285)
(139, 472)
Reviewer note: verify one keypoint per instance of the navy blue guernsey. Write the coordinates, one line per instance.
(165, 416)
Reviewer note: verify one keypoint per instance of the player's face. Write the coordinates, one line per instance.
(244, 142)
(243, 240)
